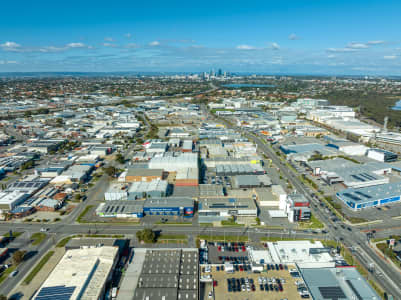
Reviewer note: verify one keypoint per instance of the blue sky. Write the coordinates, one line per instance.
(305, 37)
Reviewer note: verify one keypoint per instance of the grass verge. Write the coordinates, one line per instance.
(15, 234)
(6, 273)
(37, 238)
(37, 268)
(83, 213)
(314, 223)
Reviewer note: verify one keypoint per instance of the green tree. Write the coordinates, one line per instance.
(111, 171)
(120, 158)
(146, 235)
(18, 256)
(2, 297)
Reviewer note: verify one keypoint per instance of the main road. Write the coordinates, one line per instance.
(355, 240)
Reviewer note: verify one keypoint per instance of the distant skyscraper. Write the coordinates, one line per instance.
(219, 73)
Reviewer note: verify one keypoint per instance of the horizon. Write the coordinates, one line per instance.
(260, 37)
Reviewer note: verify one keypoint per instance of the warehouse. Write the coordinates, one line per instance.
(173, 161)
(214, 162)
(28, 187)
(240, 169)
(353, 175)
(187, 177)
(174, 206)
(302, 152)
(251, 181)
(116, 192)
(348, 147)
(151, 189)
(157, 147)
(142, 174)
(337, 283)
(373, 196)
(218, 209)
(187, 146)
(211, 190)
(9, 200)
(120, 209)
(80, 274)
(382, 155)
(168, 274)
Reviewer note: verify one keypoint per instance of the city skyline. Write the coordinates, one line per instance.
(260, 37)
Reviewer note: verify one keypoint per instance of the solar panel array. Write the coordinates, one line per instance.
(60, 292)
(332, 292)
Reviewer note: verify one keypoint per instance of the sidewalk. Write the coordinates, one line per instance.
(27, 291)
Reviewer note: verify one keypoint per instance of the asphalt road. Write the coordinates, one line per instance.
(385, 274)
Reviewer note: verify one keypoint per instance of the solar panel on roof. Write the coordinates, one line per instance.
(332, 292)
(60, 292)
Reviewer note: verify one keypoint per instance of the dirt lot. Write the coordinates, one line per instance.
(221, 290)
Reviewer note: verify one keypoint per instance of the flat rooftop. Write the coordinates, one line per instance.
(338, 283)
(168, 274)
(80, 274)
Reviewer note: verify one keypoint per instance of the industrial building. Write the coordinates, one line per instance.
(372, 196)
(142, 174)
(251, 181)
(302, 152)
(165, 274)
(298, 208)
(353, 175)
(172, 162)
(80, 274)
(187, 177)
(172, 206)
(9, 200)
(218, 209)
(210, 190)
(337, 283)
(150, 189)
(240, 169)
(120, 209)
(115, 192)
(303, 253)
(382, 155)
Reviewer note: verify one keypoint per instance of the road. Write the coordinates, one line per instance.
(386, 275)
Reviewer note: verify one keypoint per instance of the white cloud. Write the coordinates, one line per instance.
(341, 50)
(108, 39)
(154, 43)
(109, 45)
(293, 37)
(128, 35)
(10, 46)
(375, 42)
(275, 46)
(390, 57)
(132, 46)
(355, 45)
(245, 47)
(331, 56)
(75, 45)
(7, 62)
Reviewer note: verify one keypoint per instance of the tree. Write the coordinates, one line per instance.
(120, 158)
(77, 197)
(18, 256)
(2, 297)
(111, 171)
(146, 235)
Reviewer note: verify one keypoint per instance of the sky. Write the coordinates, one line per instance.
(271, 37)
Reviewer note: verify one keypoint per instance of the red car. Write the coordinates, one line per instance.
(214, 283)
(219, 248)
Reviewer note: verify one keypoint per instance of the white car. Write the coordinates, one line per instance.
(210, 295)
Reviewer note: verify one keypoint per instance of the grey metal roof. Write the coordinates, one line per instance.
(371, 193)
(322, 282)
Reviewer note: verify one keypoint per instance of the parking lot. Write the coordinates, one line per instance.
(248, 285)
(221, 252)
